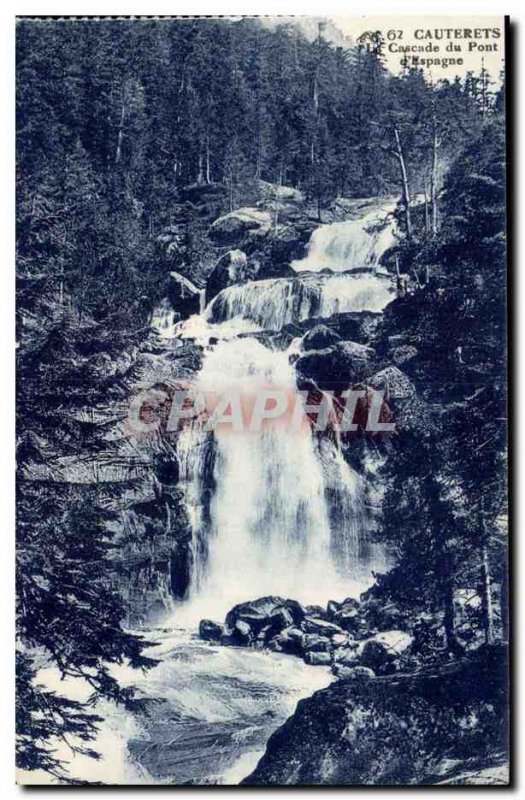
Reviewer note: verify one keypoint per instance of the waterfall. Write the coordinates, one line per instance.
(278, 511)
(267, 527)
(354, 243)
(273, 303)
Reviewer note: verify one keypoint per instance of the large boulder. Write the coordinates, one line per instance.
(273, 613)
(319, 338)
(341, 364)
(211, 631)
(233, 229)
(231, 268)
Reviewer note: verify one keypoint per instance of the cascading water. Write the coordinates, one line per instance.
(267, 528)
(279, 511)
(273, 303)
(360, 242)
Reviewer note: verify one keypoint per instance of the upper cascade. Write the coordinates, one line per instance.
(360, 242)
(273, 303)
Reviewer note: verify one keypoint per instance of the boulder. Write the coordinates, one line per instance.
(315, 643)
(393, 383)
(403, 353)
(353, 673)
(233, 229)
(315, 611)
(242, 633)
(340, 639)
(319, 338)
(184, 296)
(231, 268)
(397, 642)
(343, 363)
(275, 612)
(347, 656)
(317, 659)
(383, 648)
(320, 626)
(211, 631)
(290, 641)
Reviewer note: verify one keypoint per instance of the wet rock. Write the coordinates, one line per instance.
(347, 656)
(319, 337)
(315, 643)
(234, 228)
(290, 641)
(316, 611)
(317, 659)
(320, 626)
(242, 633)
(211, 631)
(275, 613)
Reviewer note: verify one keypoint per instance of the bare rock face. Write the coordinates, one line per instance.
(427, 728)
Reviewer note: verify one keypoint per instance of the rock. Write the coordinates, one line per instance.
(317, 659)
(315, 643)
(340, 364)
(275, 613)
(397, 642)
(183, 295)
(242, 633)
(403, 353)
(353, 673)
(234, 228)
(398, 731)
(319, 338)
(393, 383)
(332, 609)
(211, 631)
(315, 611)
(320, 626)
(347, 656)
(375, 654)
(340, 639)
(231, 268)
(290, 641)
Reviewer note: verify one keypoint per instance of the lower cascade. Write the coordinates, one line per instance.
(262, 516)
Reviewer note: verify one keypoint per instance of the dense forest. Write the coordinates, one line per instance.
(116, 122)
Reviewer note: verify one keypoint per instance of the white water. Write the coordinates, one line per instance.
(267, 528)
(273, 303)
(355, 243)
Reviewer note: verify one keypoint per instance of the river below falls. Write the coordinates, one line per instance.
(205, 713)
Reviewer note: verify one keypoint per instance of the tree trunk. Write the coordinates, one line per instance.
(208, 164)
(404, 181)
(449, 622)
(120, 136)
(487, 609)
(433, 177)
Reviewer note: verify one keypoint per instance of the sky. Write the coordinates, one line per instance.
(402, 30)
